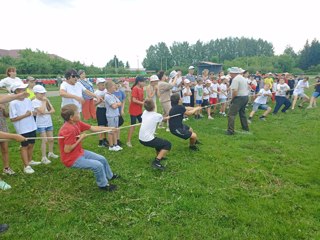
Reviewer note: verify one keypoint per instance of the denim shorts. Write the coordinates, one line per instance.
(198, 102)
(257, 106)
(44, 129)
(315, 94)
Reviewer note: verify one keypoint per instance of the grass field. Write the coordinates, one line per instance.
(263, 185)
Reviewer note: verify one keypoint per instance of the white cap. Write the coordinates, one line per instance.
(186, 81)
(235, 70)
(100, 80)
(191, 67)
(208, 81)
(39, 89)
(173, 74)
(154, 78)
(17, 85)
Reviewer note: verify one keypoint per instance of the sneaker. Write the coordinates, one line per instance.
(249, 121)
(198, 142)
(193, 148)
(201, 116)
(168, 130)
(4, 185)
(224, 114)
(118, 147)
(114, 149)
(210, 117)
(34, 163)
(185, 119)
(28, 170)
(45, 160)
(100, 145)
(262, 118)
(8, 171)
(52, 155)
(115, 176)
(309, 107)
(129, 144)
(119, 143)
(4, 227)
(229, 132)
(109, 188)
(157, 165)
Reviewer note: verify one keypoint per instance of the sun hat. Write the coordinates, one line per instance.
(154, 78)
(17, 85)
(39, 89)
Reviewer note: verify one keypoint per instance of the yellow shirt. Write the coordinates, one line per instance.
(31, 94)
(268, 81)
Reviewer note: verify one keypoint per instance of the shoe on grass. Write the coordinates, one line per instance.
(8, 171)
(28, 170)
(52, 155)
(109, 188)
(45, 160)
(34, 163)
(129, 144)
(157, 165)
(115, 176)
(4, 185)
(3, 227)
(193, 148)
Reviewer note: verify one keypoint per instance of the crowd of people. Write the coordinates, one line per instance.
(180, 96)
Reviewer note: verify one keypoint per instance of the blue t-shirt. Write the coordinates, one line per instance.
(121, 96)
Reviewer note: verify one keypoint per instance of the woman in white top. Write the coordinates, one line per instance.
(299, 92)
(10, 79)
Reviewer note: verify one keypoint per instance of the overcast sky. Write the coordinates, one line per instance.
(93, 31)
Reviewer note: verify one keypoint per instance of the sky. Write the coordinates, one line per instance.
(93, 31)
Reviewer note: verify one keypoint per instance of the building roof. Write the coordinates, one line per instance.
(209, 63)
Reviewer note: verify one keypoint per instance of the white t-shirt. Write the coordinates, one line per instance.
(262, 99)
(240, 84)
(148, 125)
(199, 90)
(8, 82)
(42, 120)
(223, 88)
(206, 93)
(282, 89)
(76, 89)
(274, 86)
(214, 87)
(18, 108)
(186, 99)
(101, 94)
(299, 89)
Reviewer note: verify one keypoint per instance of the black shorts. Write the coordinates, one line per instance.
(183, 132)
(186, 104)
(157, 143)
(27, 135)
(121, 120)
(101, 117)
(205, 102)
(134, 119)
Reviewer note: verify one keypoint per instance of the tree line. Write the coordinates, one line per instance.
(247, 53)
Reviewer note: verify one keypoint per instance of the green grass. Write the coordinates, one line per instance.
(263, 185)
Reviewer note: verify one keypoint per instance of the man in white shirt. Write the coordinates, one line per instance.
(239, 87)
(71, 90)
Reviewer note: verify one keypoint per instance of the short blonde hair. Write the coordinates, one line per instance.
(109, 84)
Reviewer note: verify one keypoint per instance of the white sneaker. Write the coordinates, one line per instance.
(210, 117)
(52, 155)
(309, 107)
(28, 170)
(114, 149)
(8, 171)
(118, 147)
(4, 185)
(161, 127)
(34, 163)
(129, 144)
(168, 130)
(45, 160)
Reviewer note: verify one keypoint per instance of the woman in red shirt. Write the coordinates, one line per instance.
(135, 107)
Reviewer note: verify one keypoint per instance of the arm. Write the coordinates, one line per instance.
(12, 136)
(9, 98)
(137, 101)
(150, 92)
(100, 128)
(27, 114)
(91, 94)
(191, 110)
(63, 93)
(69, 148)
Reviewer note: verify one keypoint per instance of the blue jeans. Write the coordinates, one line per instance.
(281, 101)
(98, 164)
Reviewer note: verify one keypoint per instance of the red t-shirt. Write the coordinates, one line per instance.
(134, 108)
(70, 133)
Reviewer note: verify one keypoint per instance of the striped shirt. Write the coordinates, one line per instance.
(88, 85)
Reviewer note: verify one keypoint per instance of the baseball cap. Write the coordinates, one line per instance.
(154, 78)
(39, 89)
(191, 67)
(116, 81)
(140, 79)
(208, 81)
(173, 74)
(29, 78)
(16, 86)
(186, 81)
(100, 80)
